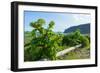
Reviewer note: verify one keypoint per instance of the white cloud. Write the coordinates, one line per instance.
(81, 18)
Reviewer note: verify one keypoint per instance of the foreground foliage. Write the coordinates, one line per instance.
(45, 43)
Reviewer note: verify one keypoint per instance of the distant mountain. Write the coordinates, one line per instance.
(84, 28)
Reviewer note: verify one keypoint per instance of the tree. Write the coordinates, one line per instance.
(85, 41)
(76, 38)
(44, 43)
(72, 39)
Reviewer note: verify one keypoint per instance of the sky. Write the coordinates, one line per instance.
(62, 20)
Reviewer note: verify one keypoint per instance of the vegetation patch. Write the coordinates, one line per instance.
(43, 43)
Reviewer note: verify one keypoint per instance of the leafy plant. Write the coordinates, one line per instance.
(72, 39)
(85, 41)
(76, 38)
(44, 43)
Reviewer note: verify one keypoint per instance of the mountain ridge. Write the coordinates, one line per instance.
(84, 28)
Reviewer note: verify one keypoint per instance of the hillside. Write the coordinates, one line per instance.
(84, 28)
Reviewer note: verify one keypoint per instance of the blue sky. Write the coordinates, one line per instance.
(62, 20)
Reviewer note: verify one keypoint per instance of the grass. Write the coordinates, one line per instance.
(79, 53)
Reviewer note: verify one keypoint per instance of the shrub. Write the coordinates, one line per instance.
(84, 41)
(72, 39)
(76, 38)
(44, 43)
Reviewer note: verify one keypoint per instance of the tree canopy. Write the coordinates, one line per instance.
(44, 41)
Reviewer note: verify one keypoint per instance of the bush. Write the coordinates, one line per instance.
(72, 39)
(44, 43)
(76, 38)
(84, 41)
